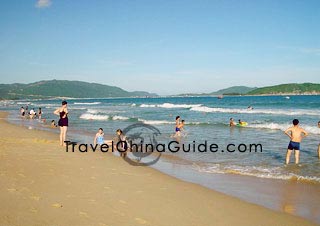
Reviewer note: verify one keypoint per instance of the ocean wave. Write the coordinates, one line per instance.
(88, 116)
(255, 111)
(155, 122)
(86, 103)
(148, 105)
(283, 127)
(102, 111)
(169, 105)
(117, 117)
(22, 103)
(278, 173)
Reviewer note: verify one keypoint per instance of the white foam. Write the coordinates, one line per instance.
(283, 127)
(87, 103)
(147, 105)
(169, 105)
(155, 122)
(256, 111)
(101, 111)
(88, 116)
(255, 171)
(117, 117)
(92, 111)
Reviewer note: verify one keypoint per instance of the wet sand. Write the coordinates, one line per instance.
(41, 184)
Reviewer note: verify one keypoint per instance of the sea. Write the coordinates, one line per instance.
(207, 121)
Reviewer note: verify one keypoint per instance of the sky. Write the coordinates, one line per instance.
(166, 47)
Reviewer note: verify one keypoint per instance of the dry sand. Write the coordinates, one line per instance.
(43, 185)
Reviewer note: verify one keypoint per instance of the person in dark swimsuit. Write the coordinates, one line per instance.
(63, 121)
(177, 129)
(22, 111)
(39, 114)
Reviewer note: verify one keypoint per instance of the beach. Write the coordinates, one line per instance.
(44, 185)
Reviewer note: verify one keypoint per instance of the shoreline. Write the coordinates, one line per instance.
(44, 185)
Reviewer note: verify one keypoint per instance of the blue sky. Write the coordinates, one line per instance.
(167, 47)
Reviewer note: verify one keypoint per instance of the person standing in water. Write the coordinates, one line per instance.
(177, 129)
(22, 112)
(39, 114)
(296, 134)
(63, 121)
(181, 125)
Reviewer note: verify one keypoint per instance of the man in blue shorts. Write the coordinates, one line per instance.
(296, 133)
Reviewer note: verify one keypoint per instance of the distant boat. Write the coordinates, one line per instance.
(220, 96)
(287, 97)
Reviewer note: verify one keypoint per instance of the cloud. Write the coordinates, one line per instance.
(43, 3)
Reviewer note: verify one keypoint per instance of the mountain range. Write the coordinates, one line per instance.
(78, 89)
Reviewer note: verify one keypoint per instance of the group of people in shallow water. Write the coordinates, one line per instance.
(295, 132)
(32, 114)
(240, 122)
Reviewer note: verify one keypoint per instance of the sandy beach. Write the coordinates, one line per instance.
(41, 184)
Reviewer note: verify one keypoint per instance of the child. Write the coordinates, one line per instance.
(121, 143)
(53, 124)
(99, 139)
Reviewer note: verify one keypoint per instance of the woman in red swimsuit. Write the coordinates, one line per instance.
(63, 121)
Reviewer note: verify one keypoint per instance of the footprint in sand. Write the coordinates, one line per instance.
(36, 198)
(122, 201)
(12, 190)
(33, 210)
(70, 196)
(140, 220)
(21, 175)
(57, 205)
(84, 214)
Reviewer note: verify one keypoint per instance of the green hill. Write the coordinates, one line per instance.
(234, 90)
(292, 88)
(64, 88)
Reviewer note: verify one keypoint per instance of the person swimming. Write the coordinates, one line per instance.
(231, 122)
